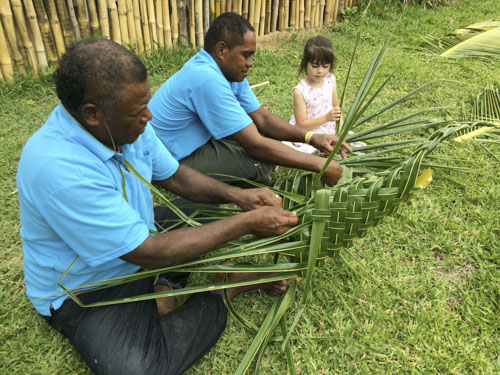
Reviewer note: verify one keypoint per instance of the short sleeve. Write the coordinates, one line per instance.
(245, 96)
(164, 164)
(218, 108)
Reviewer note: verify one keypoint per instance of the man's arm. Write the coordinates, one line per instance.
(275, 127)
(197, 187)
(275, 152)
(182, 245)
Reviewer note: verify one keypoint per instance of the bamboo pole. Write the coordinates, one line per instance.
(103, 17)
(123, 22)
(175, 23)
(269, 5)
(152, 23)
(262, 26)
(229, 5)
(321, 12)
(237, 6)
(199, 22)
(48, 41)
(222, 6)
(307, 17)
(93, 17)
(22, 28)
(281, 16)
(256, 18)
(167, 37)
(5, 60)
(302, 9)
(192, 23)
(335, 11)
(276, 4)
(145, 26)
(251, 11)
(293, 14)
(206, 16)
(132, 36)
(159, 23)
(286, 20)
(35, 32)
(244, 9)
(116, 35)
(72, 18)
(137, 25)
(212, 10)
(67, 28)
(313, 14)
(10, 31)
(328, 11)
(83, 19)
(183, 31)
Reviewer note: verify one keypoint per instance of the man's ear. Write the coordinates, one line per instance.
(220, 47)
(91, 114)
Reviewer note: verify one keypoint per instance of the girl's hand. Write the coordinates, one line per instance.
(334, 114)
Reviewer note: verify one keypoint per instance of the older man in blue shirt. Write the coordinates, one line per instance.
(85, 213)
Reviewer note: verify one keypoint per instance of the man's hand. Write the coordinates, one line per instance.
(272, 221)
(332, 174)
(325, 143)
(250, 199)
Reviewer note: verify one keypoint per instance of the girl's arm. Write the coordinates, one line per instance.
(299, 110)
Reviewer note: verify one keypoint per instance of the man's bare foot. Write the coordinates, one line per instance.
(165, 304)
(273, 288)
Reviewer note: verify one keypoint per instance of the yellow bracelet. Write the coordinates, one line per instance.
(308, 136)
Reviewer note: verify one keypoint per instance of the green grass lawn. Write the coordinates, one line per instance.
(419, 294)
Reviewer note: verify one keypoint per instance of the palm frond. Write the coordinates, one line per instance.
(481, 40)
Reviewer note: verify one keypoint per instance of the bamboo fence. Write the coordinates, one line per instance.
(35, 33)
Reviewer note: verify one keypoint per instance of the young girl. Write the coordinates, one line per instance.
(315, 102)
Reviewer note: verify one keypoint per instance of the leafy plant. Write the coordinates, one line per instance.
(481, 40)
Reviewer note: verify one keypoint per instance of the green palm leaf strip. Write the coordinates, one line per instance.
(164, 199)
(277, 311)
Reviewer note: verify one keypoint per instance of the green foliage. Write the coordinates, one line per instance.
(419, 294)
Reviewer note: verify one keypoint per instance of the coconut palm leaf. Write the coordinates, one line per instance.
(480, 40)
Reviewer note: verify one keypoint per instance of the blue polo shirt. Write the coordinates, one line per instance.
(72, 204)
(197, 103)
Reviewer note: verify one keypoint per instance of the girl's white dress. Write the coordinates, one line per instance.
(318, 102)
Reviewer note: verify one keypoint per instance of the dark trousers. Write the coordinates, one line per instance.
(225, 156)
(130, 338)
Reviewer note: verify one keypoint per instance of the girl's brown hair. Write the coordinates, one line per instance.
(318, 50)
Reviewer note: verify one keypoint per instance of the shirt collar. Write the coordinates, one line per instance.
(77, 133)
(204, 55)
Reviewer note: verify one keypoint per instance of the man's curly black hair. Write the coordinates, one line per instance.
(94, 71)
(229, 28)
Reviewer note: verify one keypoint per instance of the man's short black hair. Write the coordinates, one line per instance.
(94, 71)
(229, 28)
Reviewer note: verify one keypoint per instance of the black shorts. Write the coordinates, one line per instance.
(131, 338)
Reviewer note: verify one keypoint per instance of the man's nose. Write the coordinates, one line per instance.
(147, 115)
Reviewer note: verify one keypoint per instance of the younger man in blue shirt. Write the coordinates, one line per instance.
(209, 118)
